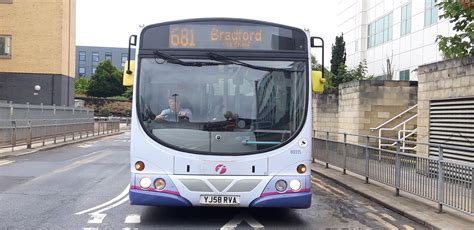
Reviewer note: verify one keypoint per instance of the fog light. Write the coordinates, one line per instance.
(145, 182)
(301, 168)
(295, 185)
(139, 166)
(280, 185)
(160, 184)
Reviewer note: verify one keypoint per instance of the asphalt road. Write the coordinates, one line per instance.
(83, 186)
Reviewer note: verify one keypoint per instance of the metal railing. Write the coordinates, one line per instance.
(402, 127)
(443, 181)
(26, 132)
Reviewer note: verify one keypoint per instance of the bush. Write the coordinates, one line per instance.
(104, 112)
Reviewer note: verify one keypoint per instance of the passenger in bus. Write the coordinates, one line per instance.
(175, 112)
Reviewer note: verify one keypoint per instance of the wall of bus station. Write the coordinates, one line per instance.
(357, 106)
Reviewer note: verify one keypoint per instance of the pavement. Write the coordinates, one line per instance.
(415, 208)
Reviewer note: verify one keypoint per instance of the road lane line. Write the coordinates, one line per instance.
(90, 228)
(125, 199)
(128, 228)
(5, 162)
(115, 199)
(96, 218)
(132, 219)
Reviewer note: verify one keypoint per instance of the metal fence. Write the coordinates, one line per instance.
(25, 112)
(444, 181)
(27, 132)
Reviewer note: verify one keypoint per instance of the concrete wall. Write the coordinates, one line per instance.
(42, 43)
(362, 105)
(442, 80)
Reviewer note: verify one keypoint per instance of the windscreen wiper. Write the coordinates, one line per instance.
(170, 59)
(228, 60)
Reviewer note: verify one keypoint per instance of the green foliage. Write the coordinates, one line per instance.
(105, 112)
(462, 44)
(128, 93)
(106, 81)
(338, 56)
(347, 75)
(81, 85)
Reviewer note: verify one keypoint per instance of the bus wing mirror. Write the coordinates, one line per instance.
(317, 77)
(128, 75)
(130, 64)
(317, 82)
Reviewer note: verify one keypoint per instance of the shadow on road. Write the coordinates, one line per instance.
(205, 217)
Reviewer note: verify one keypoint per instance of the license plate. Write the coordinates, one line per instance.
(220, 200)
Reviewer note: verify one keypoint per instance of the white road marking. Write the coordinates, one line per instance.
(132, 219)
(407, 227)
(125, 199)
(84, 146)
(5, 162)
(234, 222)
(115, 199)
(96, 218)
(127, 228)
(90, 228)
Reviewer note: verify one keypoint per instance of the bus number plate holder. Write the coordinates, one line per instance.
(219, 200)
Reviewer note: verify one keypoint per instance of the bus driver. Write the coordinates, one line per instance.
(175, 112)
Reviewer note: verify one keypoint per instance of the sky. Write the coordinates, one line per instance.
(109, 23)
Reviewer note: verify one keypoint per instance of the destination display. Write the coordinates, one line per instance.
(246, 36)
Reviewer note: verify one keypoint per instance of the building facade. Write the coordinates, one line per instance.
(89, 57)
(37, 51)
(401, 31)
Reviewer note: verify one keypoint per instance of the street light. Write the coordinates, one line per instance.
(37, 89)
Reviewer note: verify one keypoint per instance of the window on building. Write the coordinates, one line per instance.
(405, 75)
(82, 71)
(108, 56)
(93, 70)
(431, 12)
(5, 46)
(95, 57)
(124, 58)
(82, 55)
(380, 31)
(406, 19)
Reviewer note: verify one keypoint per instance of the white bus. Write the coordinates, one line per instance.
(221, 114)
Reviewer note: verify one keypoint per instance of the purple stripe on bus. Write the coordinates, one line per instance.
(286, 192)
(153, 190)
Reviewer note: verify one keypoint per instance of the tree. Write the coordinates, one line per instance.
(81, 85)
(106, 81)
(338, 57)
(462, 43)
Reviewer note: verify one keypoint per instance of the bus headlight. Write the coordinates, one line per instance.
(160, 184)
(145, 182)
(280, 185)
(295, 185)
